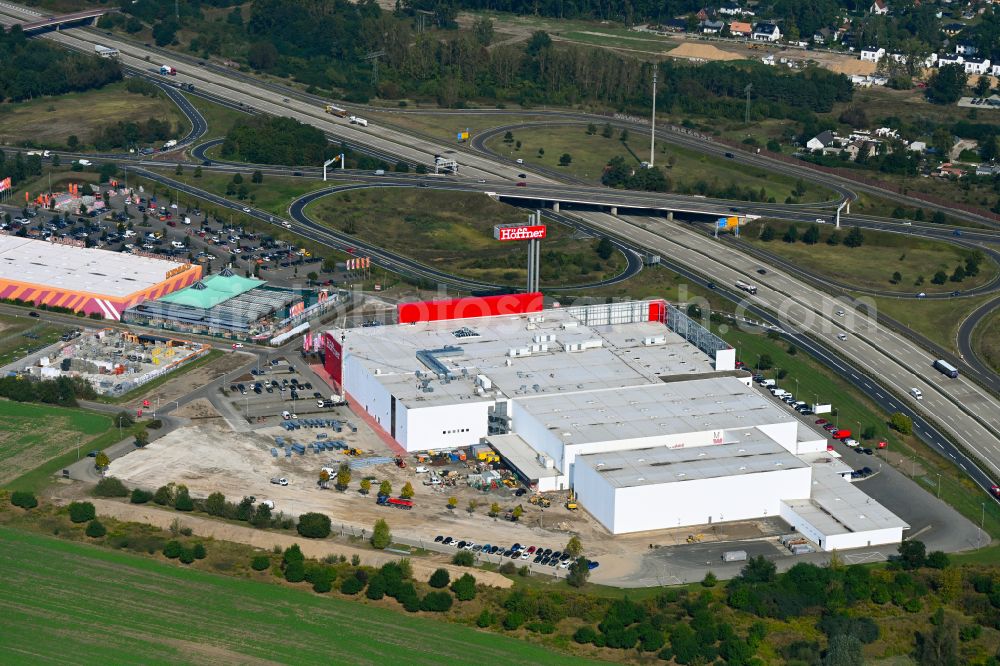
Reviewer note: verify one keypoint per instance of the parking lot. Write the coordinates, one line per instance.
(167, 229)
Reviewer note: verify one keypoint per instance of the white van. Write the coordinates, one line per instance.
(420, 469)
(916, 393)
(768, 383)
(286, 415)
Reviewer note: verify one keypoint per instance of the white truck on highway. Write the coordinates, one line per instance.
(169, 144)
(358, 120)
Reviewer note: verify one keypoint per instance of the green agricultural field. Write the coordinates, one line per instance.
(688, 171)
(31, 434)
(21, 334)
(873, 265)
(48, 121)
(106, 607)
(453, 231)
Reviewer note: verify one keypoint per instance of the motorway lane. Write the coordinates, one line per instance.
(874, 389)
(965, 333)
(962, 408)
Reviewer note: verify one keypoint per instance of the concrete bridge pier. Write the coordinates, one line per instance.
(555, 206)
(614, 210)
(670, 216)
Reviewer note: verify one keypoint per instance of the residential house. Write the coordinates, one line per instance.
(740, 29)
(966, 48)
(821, 140)
(766, 32)
(879, 8)
(995, 69)
(946, 170)
(977, 65)
(712, 27)
(872, 54)
(898, 57)
(917, 146)
(950, 59)
(988, 170)
(768, 59)
(826, 36)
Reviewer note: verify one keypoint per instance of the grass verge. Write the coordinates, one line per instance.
(875, 263)
(33, 434)
(20, 336)
(937, 320)
(454, 232)
(49, 121)
(986, 340)
(689, 171)
(220, 119)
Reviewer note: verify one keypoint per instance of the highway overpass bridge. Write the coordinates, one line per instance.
(71, 20)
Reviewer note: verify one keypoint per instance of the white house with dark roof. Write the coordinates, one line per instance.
(766, 32)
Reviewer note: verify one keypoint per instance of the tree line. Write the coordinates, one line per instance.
(33, 68)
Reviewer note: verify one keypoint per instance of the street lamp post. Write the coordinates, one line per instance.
(939, 486)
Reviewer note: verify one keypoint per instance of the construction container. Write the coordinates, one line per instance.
(734, 556)
(299, 449)
(801, 549)
(274, 452)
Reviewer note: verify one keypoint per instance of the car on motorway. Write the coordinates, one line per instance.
(34, 314)
(762, 271)
(820, 220)
(955, 293)
(481, 180)
(841, 336)
(921, 295)
(521, 183)
(839, 313)
(246, 210)
(711, 285)
(520, 160)
(522, 175)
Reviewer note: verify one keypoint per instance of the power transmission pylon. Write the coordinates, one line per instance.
(374, 56)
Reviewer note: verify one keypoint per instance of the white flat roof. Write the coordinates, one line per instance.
(73, 268)
(659, 465)
(520, 454)
(837, 506)
(621, 360)
(695, 405)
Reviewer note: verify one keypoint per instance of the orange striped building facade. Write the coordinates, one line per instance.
(109, 307)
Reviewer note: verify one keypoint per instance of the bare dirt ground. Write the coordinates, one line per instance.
(199, 409)
(208, 457)
(164, 519)
(693, 51)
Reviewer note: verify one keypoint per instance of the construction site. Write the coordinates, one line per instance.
(115, 361)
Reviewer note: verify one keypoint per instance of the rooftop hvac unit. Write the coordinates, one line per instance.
(484, 381)
(568, 324)
(544, 337)
(654, 340)
(536, 319)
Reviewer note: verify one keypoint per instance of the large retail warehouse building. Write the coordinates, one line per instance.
(85, 280)
(633, 406)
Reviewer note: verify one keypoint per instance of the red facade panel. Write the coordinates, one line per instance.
(333, 359)
(658, 311)
(461, 308)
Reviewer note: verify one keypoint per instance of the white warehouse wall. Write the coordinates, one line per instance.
(695, 502)
(785, 433)
(366, 390)
(442, 427)
(725, 359)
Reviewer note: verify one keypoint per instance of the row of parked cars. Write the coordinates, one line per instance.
(542, 556)
(786, 397)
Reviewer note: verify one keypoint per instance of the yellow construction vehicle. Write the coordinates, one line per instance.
(538, 500)
(571, 505)
(695, 538)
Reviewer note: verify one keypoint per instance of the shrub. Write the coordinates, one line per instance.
(164, 495)
(172, 549)
(464, 588)
(24, 499)
(508, 568)
(183, 501)
(95, 529)
(110, 487)
(81, 512)
(295, 571)
(709, 580)
(513, 620)
(376, 587)
(314, 525)
(260, 563)
(187, 556)
(585, 634)
(439, 578)
(351, 585)
(323, 585)
(484, 620)
(437, 602)
(407, 595)
(463, 558)
(140, 496)
(199, 551)
(937, 560)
